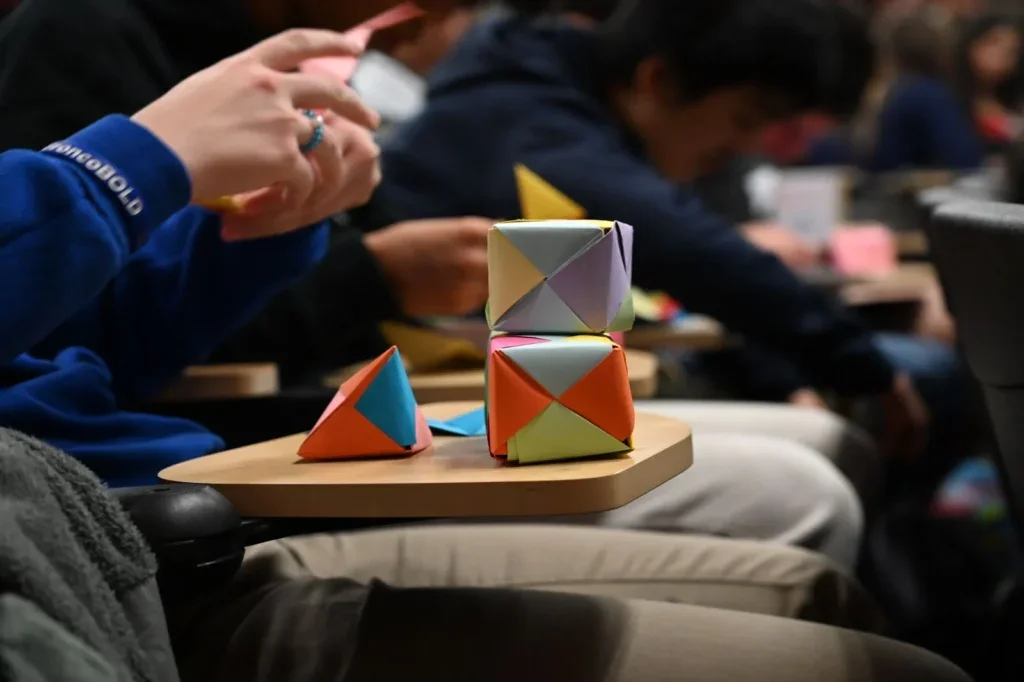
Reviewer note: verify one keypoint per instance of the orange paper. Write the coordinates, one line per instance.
(373, 414)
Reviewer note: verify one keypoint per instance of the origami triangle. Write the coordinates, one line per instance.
(503, 341)
(559, 433)
(541, 310)
(389, 404)
(378, 392)
(603, 397)
(347, 434)
(557, 371)
(538, 200)
(574, 283)
(549, 246)
(353, 387)
(511, 275)
(514, 399)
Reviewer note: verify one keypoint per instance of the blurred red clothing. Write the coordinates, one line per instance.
(787, 142)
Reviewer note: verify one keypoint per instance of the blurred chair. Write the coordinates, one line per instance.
(978, 248)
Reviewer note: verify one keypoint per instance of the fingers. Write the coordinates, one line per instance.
(473, 231)
(285, 51)
(320, 92)
(362, 163)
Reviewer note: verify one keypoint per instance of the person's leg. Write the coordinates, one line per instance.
(320, 630)
(846, 445)
(945, 384)
(739, 575)
(755, 487)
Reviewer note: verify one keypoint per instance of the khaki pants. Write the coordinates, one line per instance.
(592, 607)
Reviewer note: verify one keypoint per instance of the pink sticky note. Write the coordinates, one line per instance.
(864, 250)
(342, 68)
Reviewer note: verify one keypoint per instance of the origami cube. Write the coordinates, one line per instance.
(552, 398)
(560, 276)
(373, 414)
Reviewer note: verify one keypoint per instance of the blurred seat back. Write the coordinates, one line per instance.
(978, 248)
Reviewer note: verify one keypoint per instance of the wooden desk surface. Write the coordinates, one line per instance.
(911, 283)
(693, 332)
(912, 244)
(455, 478)
(215, 382)
(468, 384)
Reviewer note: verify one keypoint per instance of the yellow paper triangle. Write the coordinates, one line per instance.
(426, 350)
(511, 275)
(539, 200)
(591, 338)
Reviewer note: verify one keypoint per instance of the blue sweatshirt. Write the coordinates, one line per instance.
(515, 92)
(112, 285)
(923, 125)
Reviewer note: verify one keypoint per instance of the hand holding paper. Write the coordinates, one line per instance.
(338, 69)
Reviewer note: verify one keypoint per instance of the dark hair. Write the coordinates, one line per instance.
(595, 9)
(810, 54)
(1010, 93)
(920, 44)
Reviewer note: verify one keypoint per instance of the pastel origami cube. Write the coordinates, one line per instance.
(373, 414)
(560, 276)
(554, 398)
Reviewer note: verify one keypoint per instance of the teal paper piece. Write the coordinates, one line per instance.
(388, 402)
(467, 425)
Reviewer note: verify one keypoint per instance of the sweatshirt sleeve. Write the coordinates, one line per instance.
(181, 296)
(318, 322)
(699, 259)
(70, 217)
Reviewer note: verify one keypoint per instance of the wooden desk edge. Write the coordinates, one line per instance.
(225, 381)
(590, 493)
(511, 499)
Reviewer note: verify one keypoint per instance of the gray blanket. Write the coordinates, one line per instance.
(78, 596)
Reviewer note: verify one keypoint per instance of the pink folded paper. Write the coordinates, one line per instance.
(342, 68)
(864, 250)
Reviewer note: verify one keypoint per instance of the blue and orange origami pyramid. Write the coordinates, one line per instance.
(373, 414)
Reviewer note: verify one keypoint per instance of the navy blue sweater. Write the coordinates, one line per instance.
(89, 321)
(515, 92)
(923, 125)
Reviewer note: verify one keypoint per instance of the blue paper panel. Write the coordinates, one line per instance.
(467, 425)
(389, 403)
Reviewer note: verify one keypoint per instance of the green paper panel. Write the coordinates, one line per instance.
(559, 433)
(513, 450)
(626, 316)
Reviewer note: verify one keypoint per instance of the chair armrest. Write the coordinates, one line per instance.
(193, 530)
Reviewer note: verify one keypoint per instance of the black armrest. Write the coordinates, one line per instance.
(193, 530)
(199, 539)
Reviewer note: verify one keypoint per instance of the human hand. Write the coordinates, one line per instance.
(905, 420)
(435, 267)
(808, 398)
(347, 170)
(784, 243)
(237, 126)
